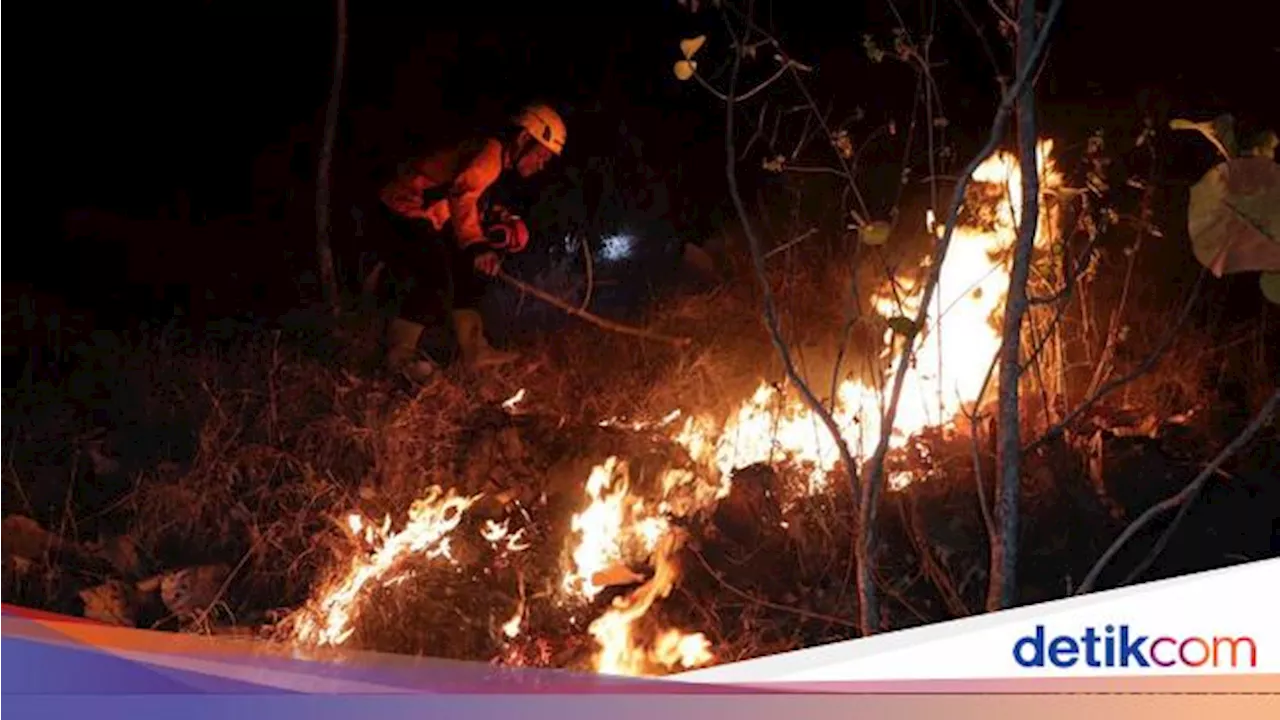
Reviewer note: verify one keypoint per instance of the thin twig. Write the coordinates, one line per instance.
(975, 432)
(860, 217)
(17, 479)
(1107, 388)
(918, 535)
(1003, 15)
(586, 255)
(750, 93)
(226, 583)
(1183, 496)
(769, 604)
(865, 582)
(798, 239)
(591, 317)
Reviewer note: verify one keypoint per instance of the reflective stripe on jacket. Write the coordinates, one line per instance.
(448, 185)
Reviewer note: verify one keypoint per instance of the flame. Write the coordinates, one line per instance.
(616, 531)
(973, 284)
(768, 427)
(610, 525)
(620, 652)
(431, 519)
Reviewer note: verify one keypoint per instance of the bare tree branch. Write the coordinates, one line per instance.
(1183, 497)
(1116, 383)
(324, 247)
(875, 480)
(590, 317)
(1002, 590)
(867, 607)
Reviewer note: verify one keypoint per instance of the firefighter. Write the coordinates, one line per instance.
(446, 245)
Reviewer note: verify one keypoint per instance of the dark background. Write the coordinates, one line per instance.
(167, 150)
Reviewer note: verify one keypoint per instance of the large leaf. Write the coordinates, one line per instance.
(1270, 284)
(1234, 217)
(1220, 131)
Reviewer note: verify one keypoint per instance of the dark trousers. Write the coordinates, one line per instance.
(428, 279)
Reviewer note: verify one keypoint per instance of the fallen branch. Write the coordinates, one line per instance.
(1183, 496)
(590, 317)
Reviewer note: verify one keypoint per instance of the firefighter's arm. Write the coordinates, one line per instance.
(406, 203)
(464, 196)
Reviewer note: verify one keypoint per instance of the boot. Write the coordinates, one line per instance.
(476, 352)
(402, 350)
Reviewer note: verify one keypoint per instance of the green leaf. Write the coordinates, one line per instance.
(1270, 284)
(1234, 217)
(876, 233)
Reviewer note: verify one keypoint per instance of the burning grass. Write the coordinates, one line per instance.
(619, 507)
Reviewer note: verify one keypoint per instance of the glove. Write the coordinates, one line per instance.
(509, 235)
(487, 263)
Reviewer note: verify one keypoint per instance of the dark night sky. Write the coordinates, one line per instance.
(125, 104)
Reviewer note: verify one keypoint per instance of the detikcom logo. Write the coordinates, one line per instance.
(1121, 646)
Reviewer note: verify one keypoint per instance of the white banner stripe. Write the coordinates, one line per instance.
(1189, 624)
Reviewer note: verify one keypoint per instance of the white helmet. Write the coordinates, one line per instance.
(545, 125)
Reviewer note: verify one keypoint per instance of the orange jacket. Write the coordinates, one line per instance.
(447, 185)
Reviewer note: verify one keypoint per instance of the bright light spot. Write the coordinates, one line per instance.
(511, 628)
(511, 402)
(618, 247)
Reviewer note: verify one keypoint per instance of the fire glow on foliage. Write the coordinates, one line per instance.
(617, 531)
(950, 364)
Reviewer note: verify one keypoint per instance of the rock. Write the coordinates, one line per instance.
(192, 590)
(112, 602)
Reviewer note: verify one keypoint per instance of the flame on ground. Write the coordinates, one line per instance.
(950, 363)
(431, 519)
(620, 652)
(616, 530)
(769, 427)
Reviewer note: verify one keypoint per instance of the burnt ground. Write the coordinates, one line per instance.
(202, 487)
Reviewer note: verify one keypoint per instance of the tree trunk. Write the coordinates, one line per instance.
(1002, 592)
(324, 182)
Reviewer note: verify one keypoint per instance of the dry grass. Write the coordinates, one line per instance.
(249, 451)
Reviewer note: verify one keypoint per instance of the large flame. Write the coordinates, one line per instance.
(617, 531)
(962, 328)
(769, 427)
